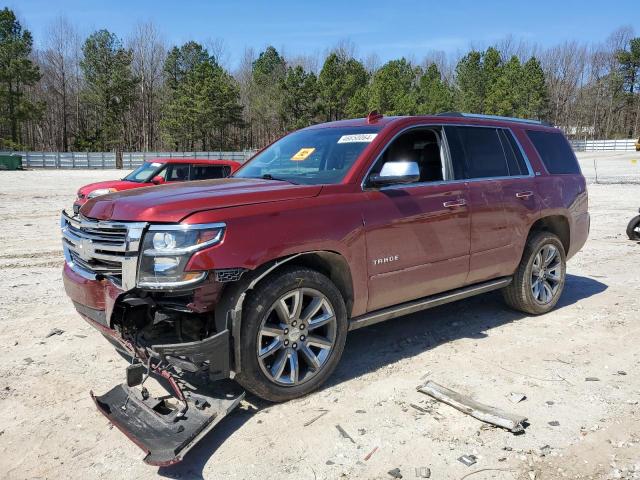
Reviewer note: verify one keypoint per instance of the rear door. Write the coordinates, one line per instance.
(417, 234)
(492, 250)
(521, 201)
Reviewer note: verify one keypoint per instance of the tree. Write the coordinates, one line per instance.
(535, 97)
(268, 73)
(203, 102)
(629, 71)
(148, 61)
(60, 82)
(300, 98)
(393, 88)
(493, 87)
(340, 79)
(182, 60)
(470, 83)
(110, 87)
(17, 71)
(434, 95)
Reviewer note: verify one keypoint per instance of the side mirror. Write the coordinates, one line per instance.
(395, 173)
(157, 180)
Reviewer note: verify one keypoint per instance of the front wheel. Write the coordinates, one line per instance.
(540, 277)
(633, 229)
(293, 333)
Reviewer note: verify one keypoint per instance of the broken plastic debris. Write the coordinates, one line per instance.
(395, 473)
(468, 460)
(517, 397)
(484, 413)
(55, 331)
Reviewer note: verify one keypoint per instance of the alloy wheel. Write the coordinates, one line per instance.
(296, 337)
(546, 274)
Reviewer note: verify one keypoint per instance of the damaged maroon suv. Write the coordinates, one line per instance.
(259, 277)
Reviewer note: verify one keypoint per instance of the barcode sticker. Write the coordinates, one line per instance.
(358, 138)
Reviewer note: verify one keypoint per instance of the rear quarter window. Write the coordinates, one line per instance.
(555, 152)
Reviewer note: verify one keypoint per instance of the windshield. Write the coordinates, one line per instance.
(144, 172)
(311, 157)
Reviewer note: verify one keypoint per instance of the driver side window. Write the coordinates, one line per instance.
(422, 146)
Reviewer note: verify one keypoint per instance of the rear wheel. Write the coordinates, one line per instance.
(540, 277)
(293, 333)
(633, 229)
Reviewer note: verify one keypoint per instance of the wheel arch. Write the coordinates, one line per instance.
(228, 312)
(556, 224)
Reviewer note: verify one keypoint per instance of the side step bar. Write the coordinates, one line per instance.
(427, 302)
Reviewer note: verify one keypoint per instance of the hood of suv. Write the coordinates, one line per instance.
(173, 202)
(117, 184)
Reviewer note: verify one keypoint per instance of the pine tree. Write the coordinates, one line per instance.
(17, 71)
(493, 70)
(434, 95)
(629, 73)
(204, 100)
(339, 80)
(300, 98)
(470, 83)
(534, 92)
(110, 88)
(393, 89)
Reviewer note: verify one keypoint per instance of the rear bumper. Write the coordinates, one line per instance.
(579, 233)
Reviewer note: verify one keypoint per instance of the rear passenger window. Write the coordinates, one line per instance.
(555, 152)
(483, 151)
(515, 160)
(206, 172)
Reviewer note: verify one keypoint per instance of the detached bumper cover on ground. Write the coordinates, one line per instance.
(166, 434)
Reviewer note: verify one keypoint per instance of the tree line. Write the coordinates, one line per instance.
(103, 93)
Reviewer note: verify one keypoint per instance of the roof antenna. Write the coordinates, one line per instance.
(373, 117)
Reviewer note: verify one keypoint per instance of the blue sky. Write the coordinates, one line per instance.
(391, 28)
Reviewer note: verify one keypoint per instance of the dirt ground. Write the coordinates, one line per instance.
(49, 427)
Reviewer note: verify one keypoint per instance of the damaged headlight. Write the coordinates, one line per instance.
(166, 250)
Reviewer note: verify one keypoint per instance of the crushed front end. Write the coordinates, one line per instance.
(129, 281)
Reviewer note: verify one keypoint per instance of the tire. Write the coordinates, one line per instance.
(633, 229)
(273, 340)
(521, 294)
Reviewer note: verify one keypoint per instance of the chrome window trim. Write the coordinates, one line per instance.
(449, 158)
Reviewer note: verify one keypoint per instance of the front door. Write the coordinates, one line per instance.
(417, 235)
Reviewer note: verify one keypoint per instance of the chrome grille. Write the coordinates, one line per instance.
(102, 249)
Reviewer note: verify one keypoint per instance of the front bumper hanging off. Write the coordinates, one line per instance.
(166, 427)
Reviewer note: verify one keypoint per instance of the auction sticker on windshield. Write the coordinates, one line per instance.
(358, 138)
(302, 154)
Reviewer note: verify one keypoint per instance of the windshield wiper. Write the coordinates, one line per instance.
(268, 176)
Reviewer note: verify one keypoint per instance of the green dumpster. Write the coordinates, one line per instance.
(10, 162)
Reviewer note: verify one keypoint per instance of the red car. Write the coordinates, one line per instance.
(338, 226)
(159, 171)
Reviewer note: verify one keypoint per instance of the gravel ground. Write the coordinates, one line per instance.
(49, 427)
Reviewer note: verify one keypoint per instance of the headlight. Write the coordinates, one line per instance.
(101, 191)
(166, 250)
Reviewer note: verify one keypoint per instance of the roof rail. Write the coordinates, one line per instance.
(493, 117)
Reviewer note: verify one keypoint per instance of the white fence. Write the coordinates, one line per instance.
(108, 159)
(599, 145)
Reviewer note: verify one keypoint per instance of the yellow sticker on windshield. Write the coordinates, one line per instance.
(302, 154)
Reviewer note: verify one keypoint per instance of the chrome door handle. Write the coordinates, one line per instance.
(524, 195)
(455, 203)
